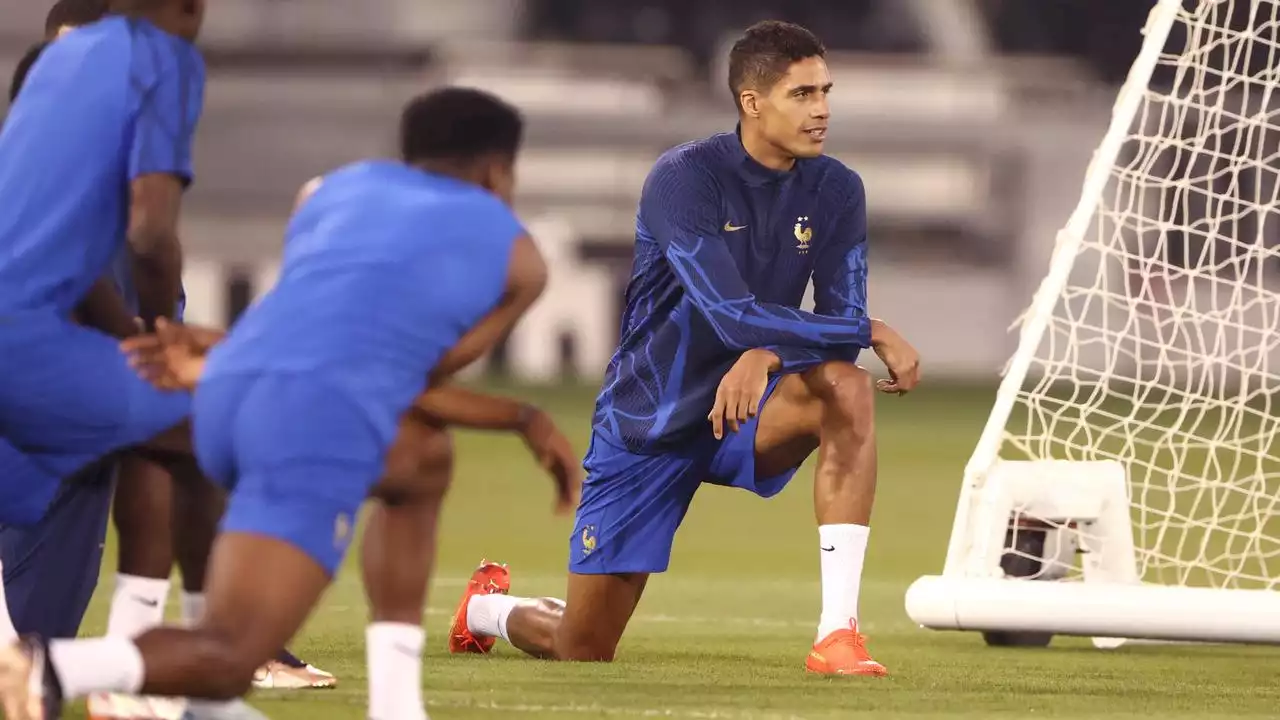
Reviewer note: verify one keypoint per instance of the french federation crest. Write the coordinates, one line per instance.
(803, 235)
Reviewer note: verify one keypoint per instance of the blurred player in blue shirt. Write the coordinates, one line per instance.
(395, 275)
(719, 377)
(51, 568)
(96, 150)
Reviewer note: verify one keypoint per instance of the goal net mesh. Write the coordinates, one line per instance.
(1163, 352)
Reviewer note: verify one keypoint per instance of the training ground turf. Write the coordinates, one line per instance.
(725, 632)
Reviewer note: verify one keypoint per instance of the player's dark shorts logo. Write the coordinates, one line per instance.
(588, 540)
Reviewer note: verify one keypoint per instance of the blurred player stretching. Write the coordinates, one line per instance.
(395, 276)
(729, 232)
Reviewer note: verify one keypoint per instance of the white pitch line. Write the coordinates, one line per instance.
(662, 619)
(600, 711)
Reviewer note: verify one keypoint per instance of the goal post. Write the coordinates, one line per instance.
(1127, 482)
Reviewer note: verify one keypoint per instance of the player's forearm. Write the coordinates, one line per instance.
(449, 405)
(157, 260)
(794, 359)
(712, 282)
(104, 309)
(752, 324)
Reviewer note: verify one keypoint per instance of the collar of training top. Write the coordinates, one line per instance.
(750, 170)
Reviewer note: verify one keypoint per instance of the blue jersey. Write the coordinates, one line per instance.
(104, 104)
(385, 267)
(725, 249)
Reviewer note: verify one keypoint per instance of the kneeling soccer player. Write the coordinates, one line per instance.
(395, 274)
(729, 232)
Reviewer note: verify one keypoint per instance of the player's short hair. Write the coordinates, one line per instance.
(20, 73)
(138, 6)
(761, 57)
(457, 123)
(74, 13)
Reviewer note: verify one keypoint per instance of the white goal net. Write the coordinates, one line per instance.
(1155, 339)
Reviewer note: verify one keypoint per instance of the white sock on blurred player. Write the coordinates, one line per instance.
(7, 632)
(193, 605)
(487, 614)
(137, 605)
(99, 665)
(842, 548)
(394, 655)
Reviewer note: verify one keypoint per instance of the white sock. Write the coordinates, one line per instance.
(842, 548)
(394, 652)
(193, 605)
(8, 633)
(110, 664)
(137, 605)
(487, 614)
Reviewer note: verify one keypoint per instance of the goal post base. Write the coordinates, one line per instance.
(1104, 611)
(1012, 567)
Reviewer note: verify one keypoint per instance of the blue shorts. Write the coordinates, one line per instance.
(632, 504)
(67, 399)
(298, 457)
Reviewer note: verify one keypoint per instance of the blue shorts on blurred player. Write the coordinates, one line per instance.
(105, 105)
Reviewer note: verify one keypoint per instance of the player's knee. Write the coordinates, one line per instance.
(578, 643)
(419, 465)
(847, 391)
(585, 650)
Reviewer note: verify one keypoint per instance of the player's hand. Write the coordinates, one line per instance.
(171, 358)
(554, 453)
(899, 358)
(741, 390)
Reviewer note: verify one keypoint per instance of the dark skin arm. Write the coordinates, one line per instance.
(463, 408)
(155, 203)
(104, 309)
(452, 405)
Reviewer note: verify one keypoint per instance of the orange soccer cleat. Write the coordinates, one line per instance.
(843, 652)
(488, 579)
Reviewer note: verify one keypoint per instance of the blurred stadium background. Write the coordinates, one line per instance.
(971, 121)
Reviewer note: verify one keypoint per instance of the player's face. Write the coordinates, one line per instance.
(794, 113)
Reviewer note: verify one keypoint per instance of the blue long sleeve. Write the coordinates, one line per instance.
(839, 287)
(679, 208)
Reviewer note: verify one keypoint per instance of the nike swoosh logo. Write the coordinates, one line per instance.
(829, 549)
(730, 227)
(149, 602)
(407, 650)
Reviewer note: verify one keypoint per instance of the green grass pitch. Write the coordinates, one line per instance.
(724, 633)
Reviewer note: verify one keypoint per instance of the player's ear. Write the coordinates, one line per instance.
(193, 13)
(749, 101)
(498, 177)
